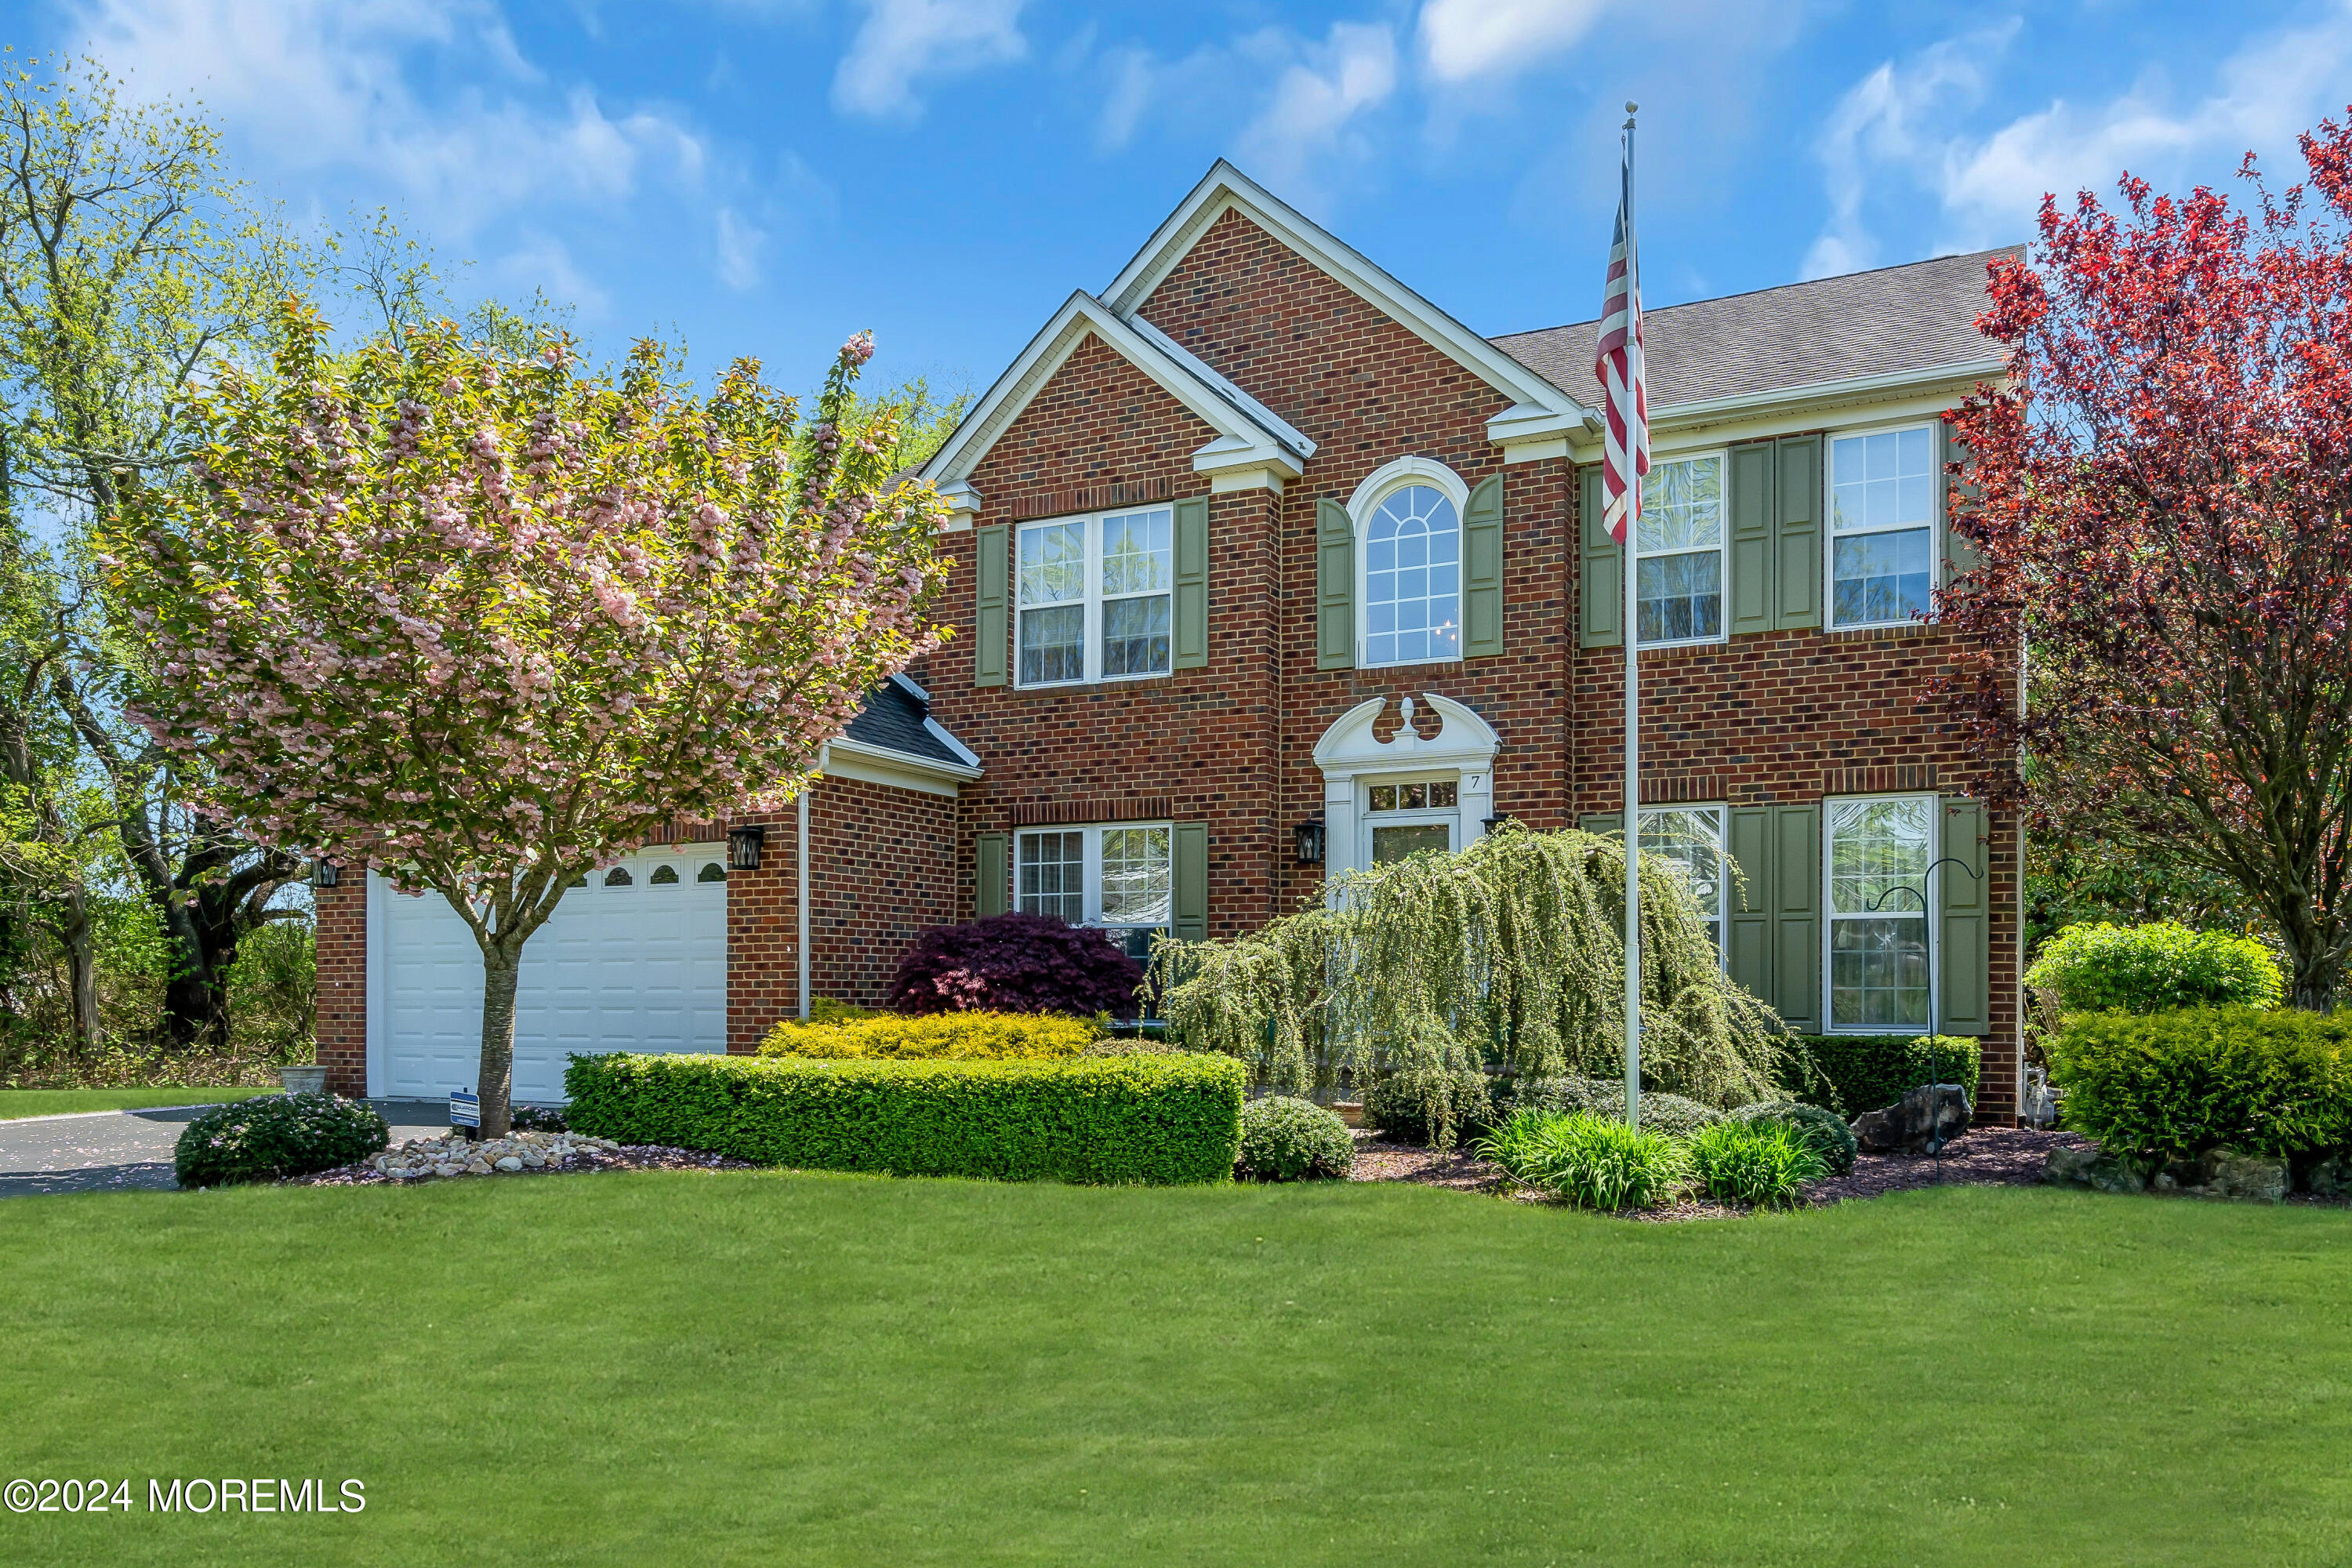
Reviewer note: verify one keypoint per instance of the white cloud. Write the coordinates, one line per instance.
(1311, 115)
(1461, 39)
(319, 84)
(740, 245)
(543, 264)
(1901, 126)
(901, 40)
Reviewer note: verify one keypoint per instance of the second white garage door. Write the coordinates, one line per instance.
(635, 961)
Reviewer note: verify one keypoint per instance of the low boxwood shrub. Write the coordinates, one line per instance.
(1016, 964)
(1765, 1165)
(2154, 969)
(2276, 1082)
(1434, 1106)
(1086, 1118)
(1825, 1130)
(935, 1036)
(276, 1135)
(1593, 1161)
(1854, 1073)
(1669, 1113)
(1288, 1140)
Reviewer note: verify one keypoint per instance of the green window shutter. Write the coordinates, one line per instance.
(1797, 533)
(1190, 893)
(1964, 911)
(1750, 486)
(1600, 621)
(1747, 942)
(1192, 631)
(1335, 586)
(1950, 547)
(1796, 886)
(988, 858)
(1482, 574)
(992, 632)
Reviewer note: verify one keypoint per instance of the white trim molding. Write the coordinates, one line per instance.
(847, 759)
(1243, 441)
(1227, 189)
(1352, 758)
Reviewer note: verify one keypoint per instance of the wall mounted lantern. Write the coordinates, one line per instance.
(743, 847)
(323, 872)
(1310, 838)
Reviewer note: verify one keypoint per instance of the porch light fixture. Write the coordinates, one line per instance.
(743, 847)
(1308, 836)
(323, 872)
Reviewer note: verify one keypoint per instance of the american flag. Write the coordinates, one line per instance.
(1618, 364)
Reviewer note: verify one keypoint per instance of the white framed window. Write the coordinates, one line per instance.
(1691, 837)
(1117, 876)
(1678, 547)
(1881, 525)
(1409, 574)
(1406, 816)
(1879, 853)
(1093, 597)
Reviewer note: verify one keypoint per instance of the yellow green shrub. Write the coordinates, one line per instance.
(936, 1037)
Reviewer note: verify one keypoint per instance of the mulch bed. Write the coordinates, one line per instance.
(627, 1157)
(1985, 1157)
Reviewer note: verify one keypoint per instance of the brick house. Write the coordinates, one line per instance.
(1259, 538)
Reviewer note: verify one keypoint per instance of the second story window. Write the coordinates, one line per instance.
(1882, 526)
(1093, 597)
(1679, 549)
(1413, 578)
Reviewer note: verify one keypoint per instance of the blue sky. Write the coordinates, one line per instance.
(764, 176)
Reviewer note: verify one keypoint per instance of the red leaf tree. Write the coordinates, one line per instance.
(482, 623)
(2160, 503)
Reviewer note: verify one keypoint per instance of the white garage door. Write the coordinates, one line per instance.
(635, 961)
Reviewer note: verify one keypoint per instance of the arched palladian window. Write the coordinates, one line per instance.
(1413, 578)
(1410, 571)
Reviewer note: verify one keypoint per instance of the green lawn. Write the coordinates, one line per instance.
(781, 1370)
(21, 1103)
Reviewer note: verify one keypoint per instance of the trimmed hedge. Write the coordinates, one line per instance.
(1285, 1139)
(276, 1135)
(2176, 1084)
(1135, 1118)
(2154, 969)
(935, 1036)
(1869, 1072)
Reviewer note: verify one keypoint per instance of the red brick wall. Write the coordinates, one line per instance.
(343, 982)
(883, 870)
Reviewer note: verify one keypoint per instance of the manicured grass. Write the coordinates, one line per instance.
(776, 1369)
(21, 1103)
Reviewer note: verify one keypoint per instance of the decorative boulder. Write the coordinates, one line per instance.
(1936, 1112)
(2331, 1178)
(2090, 1169)
(2250, 1177)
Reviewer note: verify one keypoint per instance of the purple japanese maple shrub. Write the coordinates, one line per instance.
(1014, 963)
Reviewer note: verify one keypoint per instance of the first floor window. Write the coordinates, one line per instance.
(1882, 526)
(1117, 877)
(1678, 552)
(1690, 838)
(1879, 855)
(1094, 598)
(1410, 818)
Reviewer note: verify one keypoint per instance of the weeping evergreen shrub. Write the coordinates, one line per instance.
(1508, 953)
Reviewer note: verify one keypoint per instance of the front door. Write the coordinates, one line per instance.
(1407, 816)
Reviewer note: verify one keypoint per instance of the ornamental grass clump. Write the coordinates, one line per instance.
(1507, 954)
(1589, 1161)
(1764, 1164)
(1825, 1130)
(1289, 1140)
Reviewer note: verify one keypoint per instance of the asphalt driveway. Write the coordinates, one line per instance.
(110, 1151)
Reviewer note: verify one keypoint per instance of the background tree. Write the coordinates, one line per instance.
(2161, 503)
(484, 624)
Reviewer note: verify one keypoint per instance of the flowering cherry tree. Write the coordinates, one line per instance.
(2161, 504)
(484, 624)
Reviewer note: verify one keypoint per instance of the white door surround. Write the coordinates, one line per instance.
(1353, 761)
(638, 964)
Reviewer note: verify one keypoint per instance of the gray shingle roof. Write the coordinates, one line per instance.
(1834, 329)
(893, 719)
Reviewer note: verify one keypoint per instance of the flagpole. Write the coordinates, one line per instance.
(1632, 639)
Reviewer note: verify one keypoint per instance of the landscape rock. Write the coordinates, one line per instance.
(2248, 1177)
(1930, 1113)
(510, 1162)
(2092, 1171)
(2331, 1178)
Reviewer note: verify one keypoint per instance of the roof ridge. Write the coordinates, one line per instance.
(1773, 289)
